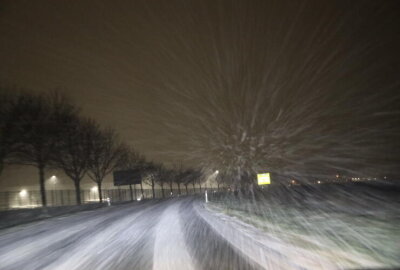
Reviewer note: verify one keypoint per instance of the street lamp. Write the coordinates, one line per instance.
(23, 193)
(53, 180)
(94, 192)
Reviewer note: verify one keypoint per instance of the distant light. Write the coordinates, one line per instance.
(94, 189)
(53, 179)
(337, 176)
(217, 172)
(23, 193)
(139, 199)
(319, 182)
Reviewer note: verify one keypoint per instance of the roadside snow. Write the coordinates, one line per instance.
(267, 251)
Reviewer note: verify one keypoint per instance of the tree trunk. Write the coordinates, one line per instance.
(194, 187)
(200, 186)
(162, 190)
(100, 191)
(130, 190)
(179, 188)
(134, 188)
(152, 188)
(77, 191)
(251, 189)
(42, 185)
(170, 188)
(218, 187)
(239, 184)
(119, 193)
(186, 190)
(141, 189)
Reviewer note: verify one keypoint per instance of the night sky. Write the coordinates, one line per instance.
(293, 87)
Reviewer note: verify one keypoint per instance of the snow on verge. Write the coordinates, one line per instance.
(269, 252)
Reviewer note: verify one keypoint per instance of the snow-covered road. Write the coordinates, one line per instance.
(148, 235)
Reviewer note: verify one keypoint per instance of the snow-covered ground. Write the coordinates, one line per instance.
(268, 251)
(164, 234)
(334, 227)
(14, 217)
(183, 233)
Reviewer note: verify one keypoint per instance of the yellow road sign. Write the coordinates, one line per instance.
(263, 179)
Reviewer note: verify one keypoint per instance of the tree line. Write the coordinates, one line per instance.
(46, 130)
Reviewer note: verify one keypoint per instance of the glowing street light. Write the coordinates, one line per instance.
(23, 193)
(53, 182)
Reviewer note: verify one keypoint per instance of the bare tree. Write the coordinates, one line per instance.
(150, 171)
(107, 153)
(186, 182)
(170, 180)
(187, 178)
(163, 176)
(132, 160)
(74, 150)
(194, 186)
(161, 173)
(219, 179)
(8, 141)
(199, 185)
(37, 122)
(179, 177)
(191, 176)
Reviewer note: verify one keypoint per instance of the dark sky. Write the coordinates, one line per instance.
(292, 87)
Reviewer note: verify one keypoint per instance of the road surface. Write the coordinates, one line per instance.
(166, 234)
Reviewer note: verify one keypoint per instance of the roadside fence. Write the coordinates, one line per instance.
(32, 198)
